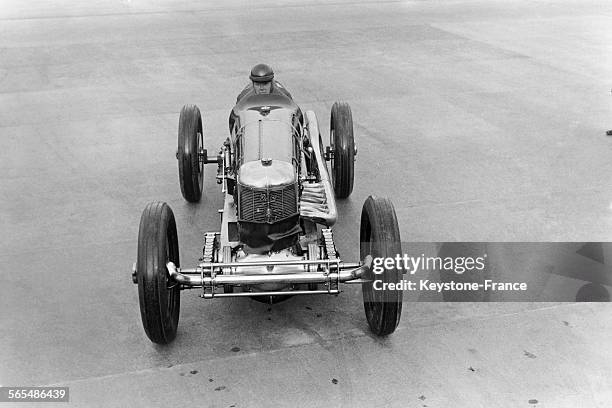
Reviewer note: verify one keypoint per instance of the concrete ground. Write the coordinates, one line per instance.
(483, 120)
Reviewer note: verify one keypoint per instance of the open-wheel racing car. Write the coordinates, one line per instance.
(275, 239)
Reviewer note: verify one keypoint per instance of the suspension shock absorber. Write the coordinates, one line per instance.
(227, 167)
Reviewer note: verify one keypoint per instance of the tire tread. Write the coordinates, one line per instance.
(344, 149)
(379, 214)
(156, 222)
(190, 122)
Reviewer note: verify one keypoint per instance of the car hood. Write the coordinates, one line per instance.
(266, 173)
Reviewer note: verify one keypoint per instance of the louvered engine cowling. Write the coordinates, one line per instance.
(267, 205)
(268, 213)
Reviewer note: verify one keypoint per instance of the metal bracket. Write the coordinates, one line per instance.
(329, 153)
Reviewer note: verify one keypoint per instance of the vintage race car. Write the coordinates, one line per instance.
(275, 239)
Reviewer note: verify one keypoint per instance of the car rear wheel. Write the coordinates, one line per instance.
(190, 153)
(158, 294)
(343, 145)
(380, 238)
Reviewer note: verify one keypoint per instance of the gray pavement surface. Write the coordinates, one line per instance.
(483, 120)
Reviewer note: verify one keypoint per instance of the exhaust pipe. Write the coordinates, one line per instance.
(328, 218)
(287, 278)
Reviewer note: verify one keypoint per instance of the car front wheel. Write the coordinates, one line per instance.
(159, 295)
(380, 238)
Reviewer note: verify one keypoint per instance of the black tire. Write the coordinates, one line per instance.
(190, 144)
(343, 144)
(158, 295)
(380, 237)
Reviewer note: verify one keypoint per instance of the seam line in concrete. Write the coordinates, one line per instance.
(280, 350)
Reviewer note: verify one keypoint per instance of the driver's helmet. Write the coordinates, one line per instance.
(261, 73)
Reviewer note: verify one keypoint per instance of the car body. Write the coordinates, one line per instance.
(275, 238)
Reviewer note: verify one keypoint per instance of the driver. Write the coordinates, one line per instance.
(262, 82)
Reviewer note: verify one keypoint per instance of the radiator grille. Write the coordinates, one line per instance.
(267, 205)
